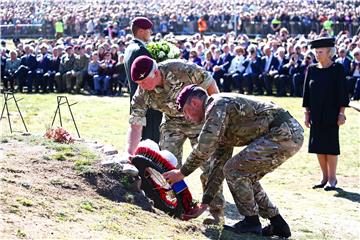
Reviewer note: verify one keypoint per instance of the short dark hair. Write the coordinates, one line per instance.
(188, 93)
(198, 92)
(134, 29)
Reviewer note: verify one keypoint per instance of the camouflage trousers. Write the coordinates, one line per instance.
(173, 134)
(244, 170)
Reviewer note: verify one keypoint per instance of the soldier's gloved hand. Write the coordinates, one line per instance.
(173, 176)
(195, 212)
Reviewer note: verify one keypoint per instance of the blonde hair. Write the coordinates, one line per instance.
(332, 52)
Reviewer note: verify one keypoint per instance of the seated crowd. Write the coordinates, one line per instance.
(274, 65)
(72, 66)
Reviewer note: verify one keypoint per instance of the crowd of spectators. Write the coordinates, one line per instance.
(93, 16)
(272, 65)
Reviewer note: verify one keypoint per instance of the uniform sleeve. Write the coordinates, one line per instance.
(343, 98)
(306, 89)
(200, 76)
(208, 140)
(138, 108)
(216, 177)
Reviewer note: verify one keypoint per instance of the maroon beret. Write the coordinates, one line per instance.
(183, 96)
(142, 22)
(141, 68)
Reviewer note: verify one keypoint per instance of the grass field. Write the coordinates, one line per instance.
(312, 214)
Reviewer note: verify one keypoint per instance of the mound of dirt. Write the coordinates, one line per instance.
(42, 183)
(117, 186)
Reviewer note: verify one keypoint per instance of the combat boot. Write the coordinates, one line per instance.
(277, 227)
(216, 218)
(250, 224)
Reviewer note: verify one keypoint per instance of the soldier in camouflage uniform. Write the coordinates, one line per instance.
(159, 85)
(271, 135)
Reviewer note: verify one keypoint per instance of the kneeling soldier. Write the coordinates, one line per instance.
(271, 135)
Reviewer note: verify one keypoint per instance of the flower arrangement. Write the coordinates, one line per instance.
(163, 50)
(59, 135)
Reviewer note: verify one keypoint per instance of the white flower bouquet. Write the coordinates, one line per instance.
(163, 50)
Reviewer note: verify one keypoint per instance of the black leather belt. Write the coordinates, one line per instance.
(279, 118)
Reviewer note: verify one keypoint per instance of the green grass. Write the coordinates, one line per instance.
(312, 214)
(99, 118)
(88, 206)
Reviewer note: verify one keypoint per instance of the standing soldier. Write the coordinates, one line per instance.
(59, 28)
(159, 86)
(272, 136)
(141, 29)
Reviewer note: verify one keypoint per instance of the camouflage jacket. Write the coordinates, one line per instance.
(177, 74)
(230, 120)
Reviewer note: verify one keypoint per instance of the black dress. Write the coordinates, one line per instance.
(324, 94)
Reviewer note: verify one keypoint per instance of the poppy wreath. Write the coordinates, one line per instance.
(151, 166)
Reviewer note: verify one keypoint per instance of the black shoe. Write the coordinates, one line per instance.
(251, 224)
(277, 227)
(321, 185)
(331, 187)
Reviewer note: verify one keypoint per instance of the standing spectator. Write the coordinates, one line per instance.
(275, 23)
(90, 27)
(59, 29)
(325, 99)
(163, 27)
(202, 26)
(328, 26)
(141, 30)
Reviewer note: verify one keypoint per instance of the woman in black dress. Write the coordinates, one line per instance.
(325, 99)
